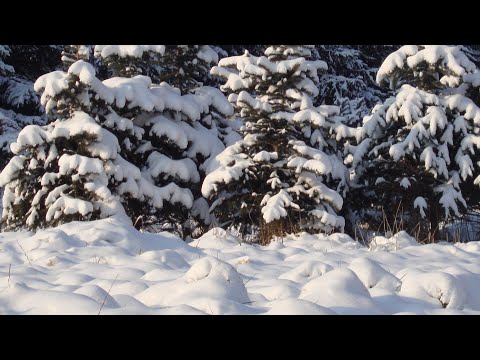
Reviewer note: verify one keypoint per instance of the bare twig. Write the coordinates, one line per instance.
(198, 242)
(25, 253)
(108, 293)
(250, 278)
(361, 233)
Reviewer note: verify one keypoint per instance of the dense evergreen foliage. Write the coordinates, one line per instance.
(264, 140)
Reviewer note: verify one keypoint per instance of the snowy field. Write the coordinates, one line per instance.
(109, 268)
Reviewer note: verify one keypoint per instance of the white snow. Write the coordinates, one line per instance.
(160, 165)
(396, 242)
(274, 206)
(207, 54)
(405, 183)
(80, 164)
(265, 156)
(126, 50)
(452, 63)
(68, 206)
(108, 267)
(421, 204)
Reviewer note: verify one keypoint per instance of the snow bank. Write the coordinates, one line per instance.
(108, 267)
(395, 242)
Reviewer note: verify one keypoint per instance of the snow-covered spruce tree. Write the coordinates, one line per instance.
(284, 175)
(178, 142)
(73, 53)
(421, 148)
(74, 168)
(348, 83)
(59, 174)
(131, 60)
(232, 50)
(82, 165)
(66, 170)
(236, 50)
(4, 54)
(7, 126)
(32, 61)
(9, 130)
(20, 66)
(187, 68)
(183, 67)
(374, 55)
(16, 82)
(19, 104)
(472, 52)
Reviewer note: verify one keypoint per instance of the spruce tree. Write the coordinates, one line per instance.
(59, 171)
(20, 65)
(347, 83)
(285, 175)
(177, 143)
(79, 167)
(420, 148)
(7, 126)
(131, 60)
(187, 68)
(19, 104)
(73, 53)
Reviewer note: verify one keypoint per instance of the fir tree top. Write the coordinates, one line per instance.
(427, 67)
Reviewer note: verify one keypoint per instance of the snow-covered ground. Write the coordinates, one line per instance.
(109, 268)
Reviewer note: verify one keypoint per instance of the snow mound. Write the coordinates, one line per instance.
(297, 307)
(279, 292)
(217, 239)
(109, 267)
(207, 278)
(307, 271)
(396, 242)
(28, 301)
(436, 288)
(372, 274)
(98, 294)
(340, 290)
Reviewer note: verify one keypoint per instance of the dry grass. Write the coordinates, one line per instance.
(99, 260)
(108, 293)
(24, 253)
(51, 262)
(422, 231)
(277, 228)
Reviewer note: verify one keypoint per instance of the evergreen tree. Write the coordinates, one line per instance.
(7, 127)
(19, 104)
(472, 52)
(285, 175)
(238, 50)
(9, 130)
(5, 69)
(186, 66)
(73, 53)
(421, 148)
(178, 142)
(32, 61)
(60, 171)
(347, 83)
(131, 60)
(79, 166)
